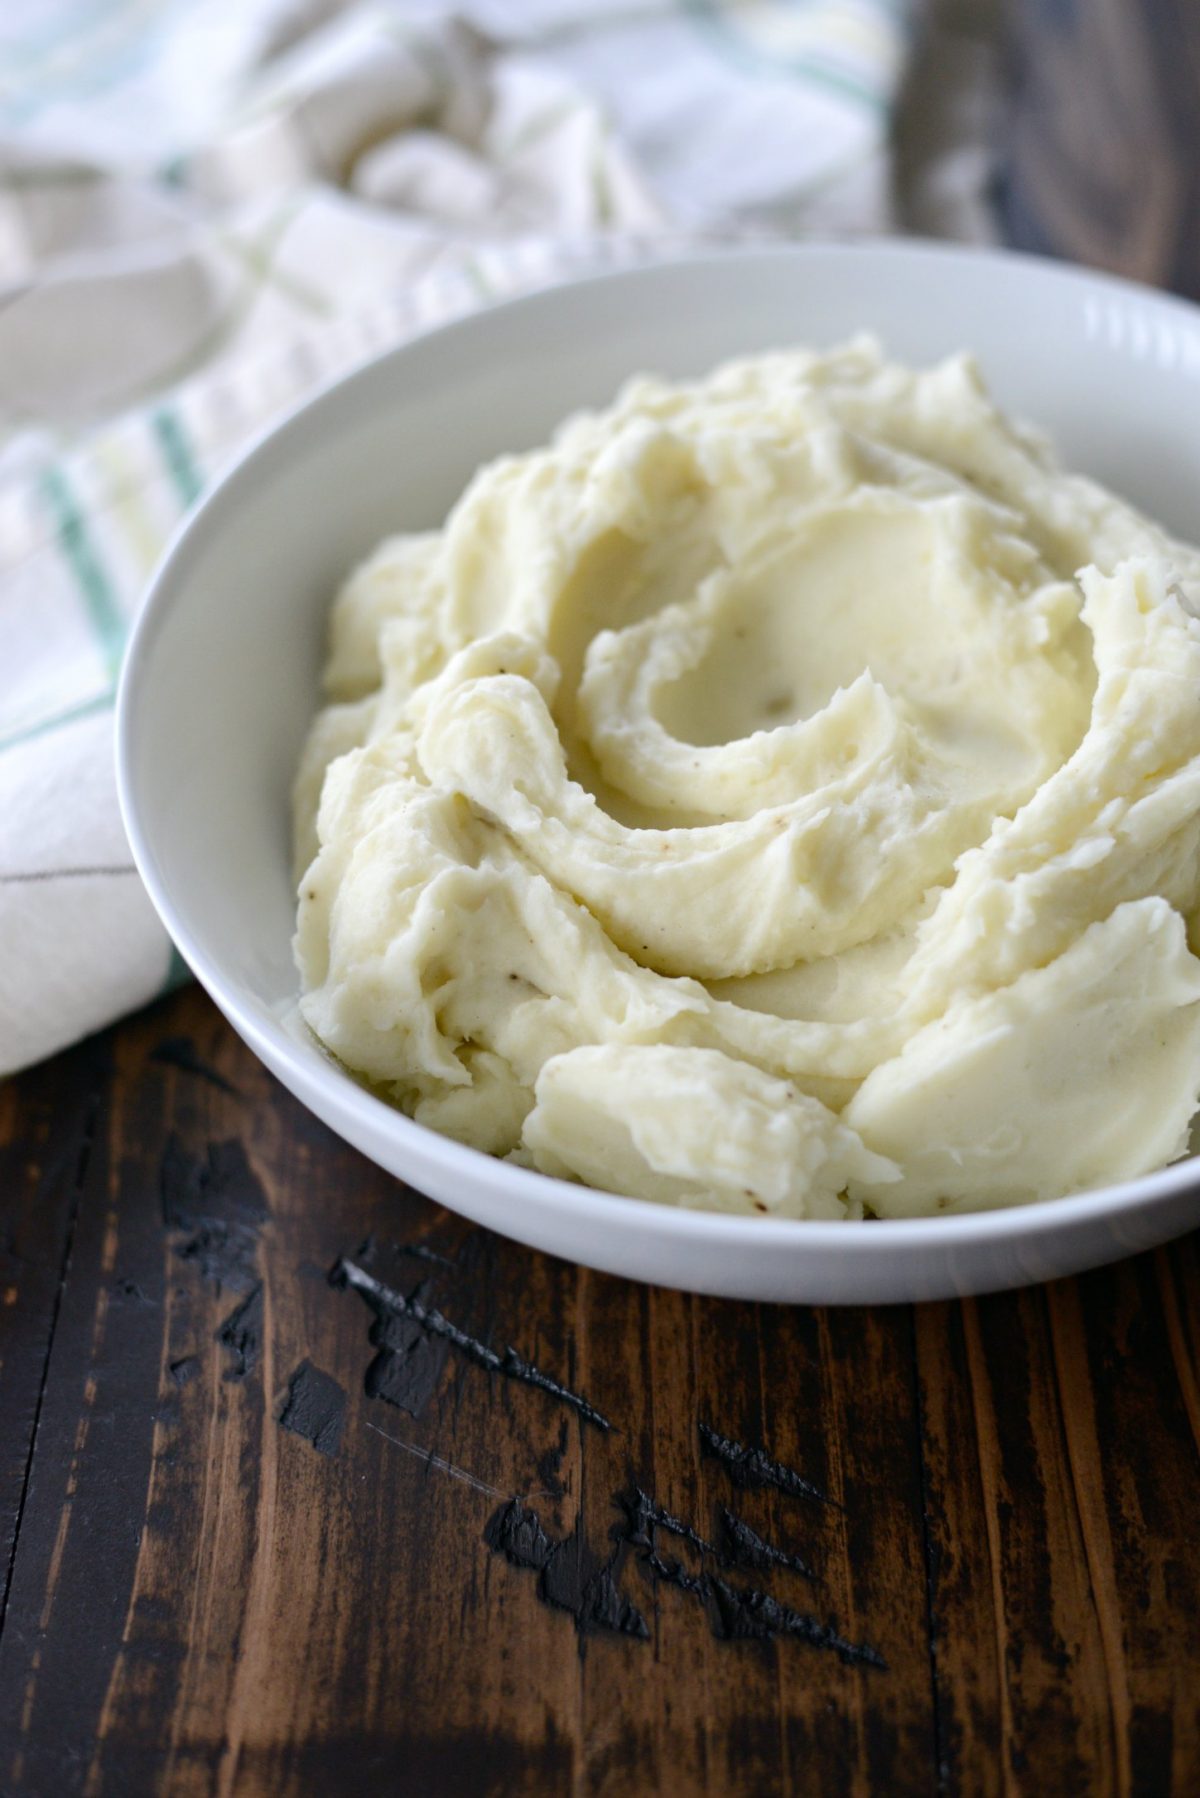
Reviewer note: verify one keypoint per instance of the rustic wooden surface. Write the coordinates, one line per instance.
(230, 1564)
(202, 1601)
(1102, 137)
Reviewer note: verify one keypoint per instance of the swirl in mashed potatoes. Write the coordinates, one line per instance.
(780, 794)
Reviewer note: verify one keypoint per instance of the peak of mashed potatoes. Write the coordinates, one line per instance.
(779, 794)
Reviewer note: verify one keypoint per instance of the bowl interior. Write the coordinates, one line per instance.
(220, 684)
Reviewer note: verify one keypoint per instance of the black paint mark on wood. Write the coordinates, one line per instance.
(315, 1408)
(570, 1576)
(549, 1465)
(746, 1614)
(674, 1573)
(217, 1201)
(738, 1614)
(409, 1364)
(643, 1516)
(752, 1467)
(184, 1371)
(383, 1299)
(518, 1535)
(180, 1052)
(738, 1544)
(743, 1547)
(241, 1335)
(735, 1613)
(573, 1581)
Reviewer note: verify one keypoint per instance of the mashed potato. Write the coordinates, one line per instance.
(780, 794)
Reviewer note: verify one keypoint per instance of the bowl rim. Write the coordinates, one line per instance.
(366, 1114)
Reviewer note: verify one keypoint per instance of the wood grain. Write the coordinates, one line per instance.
(46, 1128)
(1100, 160)
(203, 1602)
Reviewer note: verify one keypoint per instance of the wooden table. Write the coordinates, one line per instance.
(470, 1520)
(236, 1570)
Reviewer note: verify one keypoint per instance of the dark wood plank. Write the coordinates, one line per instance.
(1122, 1380)
(46, 1127)
(203, 1601)
(1041, 1644)
(832, 1394)
(1102, 158)
(1061, 1452)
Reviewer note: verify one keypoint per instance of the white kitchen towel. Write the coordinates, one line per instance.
(209, 207)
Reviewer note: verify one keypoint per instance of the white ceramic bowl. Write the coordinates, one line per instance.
(220, 682)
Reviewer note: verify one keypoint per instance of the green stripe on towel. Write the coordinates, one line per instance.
(177, 454)
(710, 19)
(91, 577)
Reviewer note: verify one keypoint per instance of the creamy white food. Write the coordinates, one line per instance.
(779, 794)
